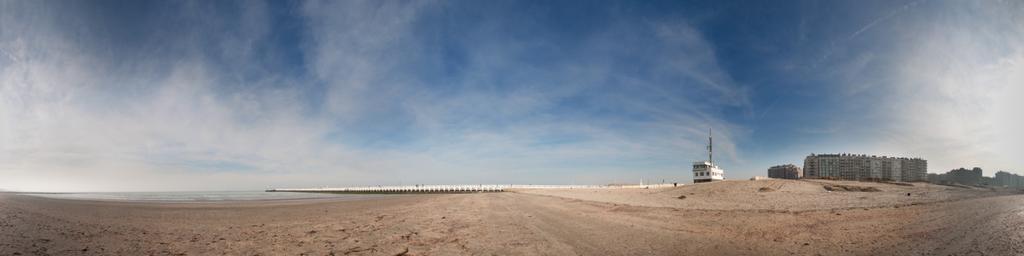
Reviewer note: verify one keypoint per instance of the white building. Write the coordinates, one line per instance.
(707, 171)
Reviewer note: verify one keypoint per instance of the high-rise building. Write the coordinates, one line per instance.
(1007, 179)
(965, 176)
(786, 171)
(865, 167)
(971, 177)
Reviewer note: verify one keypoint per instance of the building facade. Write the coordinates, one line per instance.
(962, 176)
(786, 171)
(865, 167)
(707, 172)
(966, 176)
(1006, 179)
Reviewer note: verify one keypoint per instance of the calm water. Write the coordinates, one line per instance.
(199, 196)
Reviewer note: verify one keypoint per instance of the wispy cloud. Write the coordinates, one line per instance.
(390, 93)
(961, 103)
(949, 92)
(883, 18)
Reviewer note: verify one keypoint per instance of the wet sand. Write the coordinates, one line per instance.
(519, 223)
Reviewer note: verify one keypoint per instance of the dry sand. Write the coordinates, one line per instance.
(943, 220)
(777, 195)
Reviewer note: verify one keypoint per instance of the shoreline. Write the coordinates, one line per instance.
(186, 200)
(234, 202)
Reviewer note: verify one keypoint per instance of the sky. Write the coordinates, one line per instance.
(226, 95)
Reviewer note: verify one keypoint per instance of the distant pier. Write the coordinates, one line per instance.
(448, 189)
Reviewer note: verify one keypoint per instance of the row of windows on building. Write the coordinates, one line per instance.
(859, 167)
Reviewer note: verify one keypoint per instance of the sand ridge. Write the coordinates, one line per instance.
(780, 195)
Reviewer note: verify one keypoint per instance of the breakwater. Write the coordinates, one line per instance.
(478, 188)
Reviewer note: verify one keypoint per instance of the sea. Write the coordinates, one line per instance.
(202, 196)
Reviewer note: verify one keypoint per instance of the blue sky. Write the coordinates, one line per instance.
(199, 95)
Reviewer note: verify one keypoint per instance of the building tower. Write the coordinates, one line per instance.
(707, 171)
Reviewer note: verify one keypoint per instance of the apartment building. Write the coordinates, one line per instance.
(786, 171)
(865, 167)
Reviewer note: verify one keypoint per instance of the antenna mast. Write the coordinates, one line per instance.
(710, 159)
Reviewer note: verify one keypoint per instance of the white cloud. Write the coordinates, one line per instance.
(958, 87)
(73, 119)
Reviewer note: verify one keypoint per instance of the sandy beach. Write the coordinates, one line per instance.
(742, 218)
